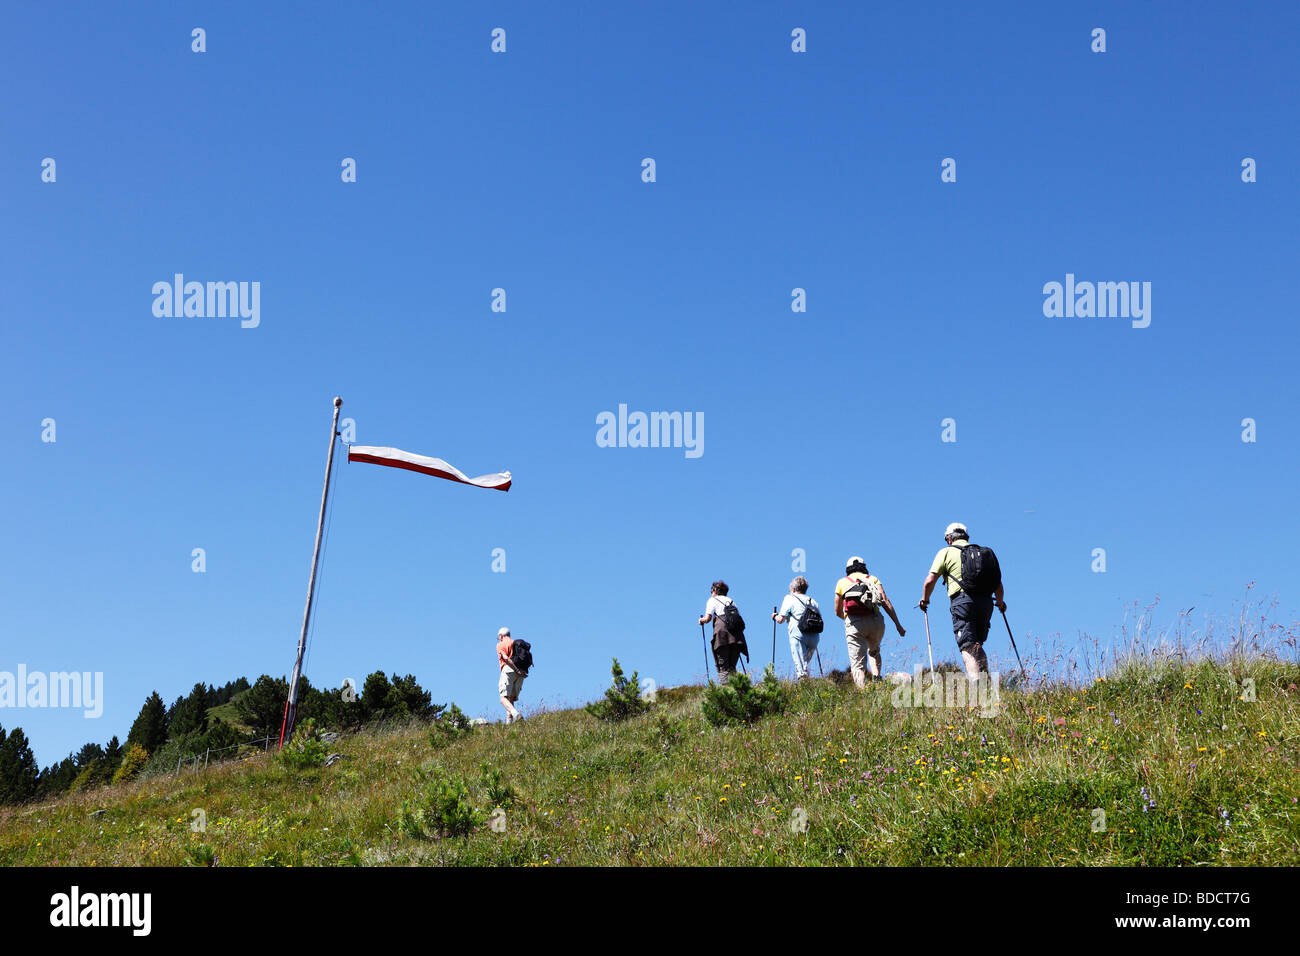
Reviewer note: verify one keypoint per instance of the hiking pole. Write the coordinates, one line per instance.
(774, 636)
(928, 646)
(1013, 646)
(705, 639)
(820, 672)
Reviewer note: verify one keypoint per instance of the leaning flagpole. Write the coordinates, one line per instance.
(291, 705)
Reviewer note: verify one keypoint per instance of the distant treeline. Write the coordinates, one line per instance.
(208, 718)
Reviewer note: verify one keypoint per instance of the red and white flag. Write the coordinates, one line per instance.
(396, 458)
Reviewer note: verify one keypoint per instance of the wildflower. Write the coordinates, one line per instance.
(722, 799)
(1187, 686)
(1261, 734)
(1201, 750)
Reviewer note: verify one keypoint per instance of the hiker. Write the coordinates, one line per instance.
(512, 678)
(805, 625)
(728, 629)
(858, 599)
(970, 602)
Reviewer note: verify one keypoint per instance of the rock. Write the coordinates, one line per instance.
(98, 813)
(477, 721)
(329, 738)
(332, 759)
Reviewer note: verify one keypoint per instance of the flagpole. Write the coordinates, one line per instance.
(291, 705)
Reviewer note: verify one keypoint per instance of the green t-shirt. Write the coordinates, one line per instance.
(947, 564)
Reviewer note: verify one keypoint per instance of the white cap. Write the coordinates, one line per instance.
(503, 632)
(956, 528)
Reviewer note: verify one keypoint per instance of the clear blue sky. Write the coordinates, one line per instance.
(522, 170)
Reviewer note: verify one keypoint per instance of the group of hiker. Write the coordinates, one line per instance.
(970, 572)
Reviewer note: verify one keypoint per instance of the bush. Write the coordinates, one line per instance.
(200, 855)
(622, 700)
(305, 750)
(499, 794)
(740, 701)
(132, 761)
(441, 808)
(448, 727)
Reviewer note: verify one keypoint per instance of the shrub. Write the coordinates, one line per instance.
(305, 750)
(441, 808)
(449, 727)
(132, 761)
(200, 855)
(622, 700)
(499, 794)
(740, 701)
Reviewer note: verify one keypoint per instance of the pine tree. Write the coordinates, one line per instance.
(190, 714)
(56, 778)
(18, 770)
(150, 727)
(622, 700)
(261, 707)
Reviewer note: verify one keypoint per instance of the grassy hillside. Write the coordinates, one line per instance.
(1185, 770)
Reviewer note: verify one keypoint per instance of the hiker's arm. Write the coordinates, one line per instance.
(999, 598)
(889, 607)
(779, 618)
(706, 619)
(927, 589)
(839, 605)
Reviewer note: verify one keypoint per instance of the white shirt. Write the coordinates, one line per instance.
(716, 603)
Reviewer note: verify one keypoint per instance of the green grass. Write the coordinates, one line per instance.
(877, 784)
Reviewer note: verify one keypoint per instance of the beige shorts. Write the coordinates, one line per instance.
(509, 683)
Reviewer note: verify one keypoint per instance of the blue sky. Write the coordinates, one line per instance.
(775, 170)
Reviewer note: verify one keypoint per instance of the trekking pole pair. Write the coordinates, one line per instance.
(704, 637)
(1023, 674)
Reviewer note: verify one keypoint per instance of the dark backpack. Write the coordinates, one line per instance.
(521, 656)
(810, 622)
(980, 572)
(732, 622)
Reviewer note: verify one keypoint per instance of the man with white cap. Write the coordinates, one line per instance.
(971, 605)
(859, 596)
(511, 679)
